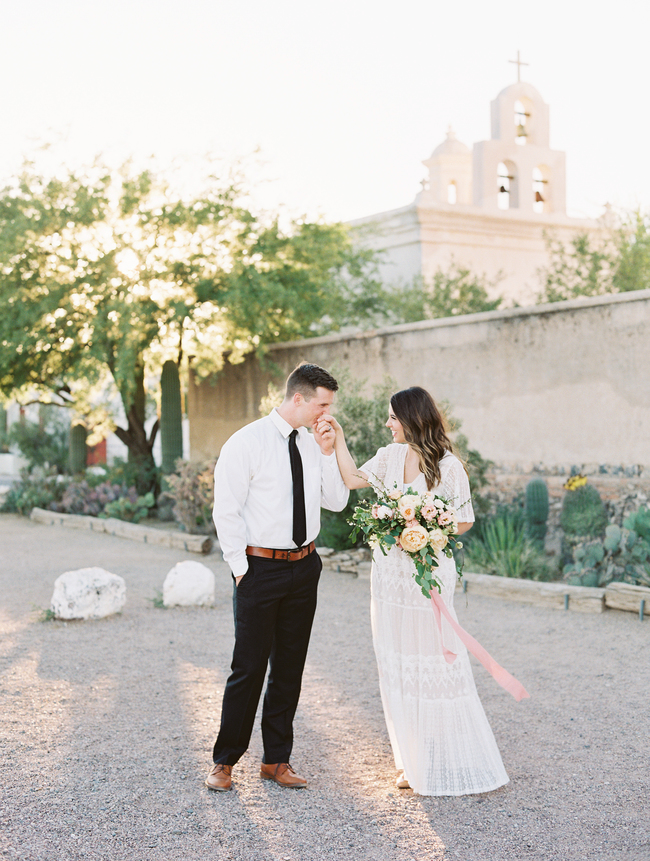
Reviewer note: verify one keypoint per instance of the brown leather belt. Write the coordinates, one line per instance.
(287, 555)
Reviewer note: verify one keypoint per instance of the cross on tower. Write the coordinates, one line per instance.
(519, 63)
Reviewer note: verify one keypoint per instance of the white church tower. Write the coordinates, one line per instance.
(530, 176)
(486, 209)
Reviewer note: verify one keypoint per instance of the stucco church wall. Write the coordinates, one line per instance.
(561, 384)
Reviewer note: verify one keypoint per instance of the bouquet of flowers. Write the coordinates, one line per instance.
(421, 525)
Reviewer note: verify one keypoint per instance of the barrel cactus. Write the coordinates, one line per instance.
(583, 512)
(78, 448)
(171, 417)
(536, 510)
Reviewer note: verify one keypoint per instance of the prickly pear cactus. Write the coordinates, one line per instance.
(639, 522)
(536, 509)
(583, 512)
(78, 449)
(171, 417)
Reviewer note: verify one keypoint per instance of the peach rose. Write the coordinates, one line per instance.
(395, 494)
(407, 505)
(437, 539)
(414, 538)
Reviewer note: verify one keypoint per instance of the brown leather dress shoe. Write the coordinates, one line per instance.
(282, 774)
(220, 778)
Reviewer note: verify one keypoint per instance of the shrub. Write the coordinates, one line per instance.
(131, 507)
(81, 497)
(128, 473)
(500, 546)
(364, 423)
(41, 446)
(40, 487)
(192, 489)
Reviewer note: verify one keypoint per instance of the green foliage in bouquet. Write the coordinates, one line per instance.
(422, 526)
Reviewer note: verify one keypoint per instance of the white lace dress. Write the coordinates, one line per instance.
(437, 727)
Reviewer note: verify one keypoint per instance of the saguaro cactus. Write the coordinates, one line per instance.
(3, 429)
(171, 417)
(78, 449)
(536, 510)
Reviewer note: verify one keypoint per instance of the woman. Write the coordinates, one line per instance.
(438, 730)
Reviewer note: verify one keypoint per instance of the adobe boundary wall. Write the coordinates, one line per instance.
(564, 384)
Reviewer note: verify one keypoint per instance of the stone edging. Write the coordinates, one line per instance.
(123, 529)
(582, 599)
(561, 596)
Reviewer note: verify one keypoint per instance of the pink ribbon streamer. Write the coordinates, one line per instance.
(501, 676)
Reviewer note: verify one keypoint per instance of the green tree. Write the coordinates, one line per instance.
(449, 293)
(105, 275)
(632, 263)
(581, 268)
(613, 261)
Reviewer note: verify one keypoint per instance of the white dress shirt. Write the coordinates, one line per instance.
(253, 489)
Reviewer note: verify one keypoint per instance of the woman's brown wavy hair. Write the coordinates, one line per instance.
(425, 429)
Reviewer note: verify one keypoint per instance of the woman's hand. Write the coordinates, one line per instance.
(325, 428)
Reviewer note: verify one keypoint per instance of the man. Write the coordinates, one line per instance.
(270, 481)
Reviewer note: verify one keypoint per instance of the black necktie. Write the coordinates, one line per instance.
(299, 516)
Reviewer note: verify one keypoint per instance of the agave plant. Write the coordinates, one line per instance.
(501, 547)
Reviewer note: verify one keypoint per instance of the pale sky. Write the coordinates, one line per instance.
(343, 99)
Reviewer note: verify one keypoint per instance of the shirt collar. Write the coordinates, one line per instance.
(281, 424)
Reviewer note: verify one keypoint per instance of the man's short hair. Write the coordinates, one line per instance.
(307, 378)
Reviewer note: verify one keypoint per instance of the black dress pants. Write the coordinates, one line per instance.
(274, 608)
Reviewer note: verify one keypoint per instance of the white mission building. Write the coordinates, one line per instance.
(486, 208)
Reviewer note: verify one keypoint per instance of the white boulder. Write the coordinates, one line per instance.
(88, 593)
(188, 584)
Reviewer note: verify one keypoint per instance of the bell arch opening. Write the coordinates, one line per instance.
(508, 193)
(541, 190)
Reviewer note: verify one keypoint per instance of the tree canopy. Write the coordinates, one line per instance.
(449, 293)
(613, 261)
(105, 274)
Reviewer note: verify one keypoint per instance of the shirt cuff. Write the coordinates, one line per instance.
(239, 565)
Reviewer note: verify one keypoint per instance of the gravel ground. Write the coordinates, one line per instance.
(107, 729)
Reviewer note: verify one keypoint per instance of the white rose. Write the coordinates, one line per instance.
(383, 512)
(407, 505)
(437, 539)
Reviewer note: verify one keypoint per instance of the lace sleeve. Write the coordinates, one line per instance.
(376, 468)
(455, 486)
